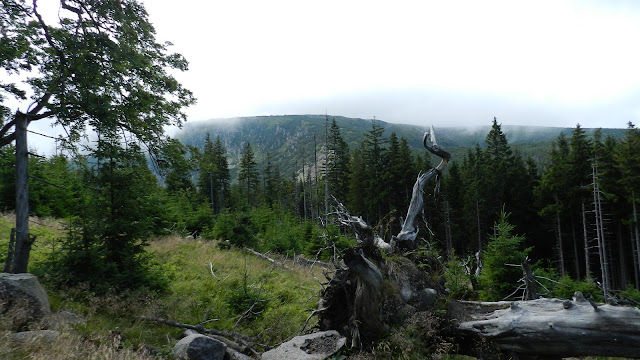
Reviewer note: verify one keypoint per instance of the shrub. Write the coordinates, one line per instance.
(497, 279)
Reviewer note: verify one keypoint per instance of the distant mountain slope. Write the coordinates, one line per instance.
(289, 139)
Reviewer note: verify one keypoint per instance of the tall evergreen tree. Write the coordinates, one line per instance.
(357, 196)
(214, 179)
(627, 158)
(221, 176)
(338, 163)
(375, 161)
(248, 175)
(207, 169)
(552, 192)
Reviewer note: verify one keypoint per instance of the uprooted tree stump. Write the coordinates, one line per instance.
(371, 292)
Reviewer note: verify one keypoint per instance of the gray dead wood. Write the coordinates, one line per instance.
(554, 327)
(234, 340)
(407, 236)
(265, 257)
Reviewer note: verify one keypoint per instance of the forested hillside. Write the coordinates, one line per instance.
(240, 225)
(288, 140)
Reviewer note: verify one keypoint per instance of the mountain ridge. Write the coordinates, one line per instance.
(288, 140)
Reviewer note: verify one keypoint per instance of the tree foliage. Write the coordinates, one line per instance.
(497, 278)
(97, 65)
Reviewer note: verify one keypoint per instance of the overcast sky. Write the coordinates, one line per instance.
(552, 63)
(446, 63)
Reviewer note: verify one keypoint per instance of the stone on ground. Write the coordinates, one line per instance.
(316, 346)
(199, 347)
(23, 302)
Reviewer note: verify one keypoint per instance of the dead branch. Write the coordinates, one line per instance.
(241, 341)
(265, 257)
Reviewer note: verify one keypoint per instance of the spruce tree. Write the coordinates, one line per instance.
(248, 175)
(338, 163)
(627, 159)
(497, 279)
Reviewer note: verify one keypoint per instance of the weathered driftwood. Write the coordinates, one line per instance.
(553, 328)
(407, 236)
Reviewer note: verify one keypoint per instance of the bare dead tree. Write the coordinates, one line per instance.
(409, 232)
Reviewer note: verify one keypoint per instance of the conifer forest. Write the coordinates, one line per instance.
(133, 207)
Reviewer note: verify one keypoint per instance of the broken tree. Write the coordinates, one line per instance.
(370, 293)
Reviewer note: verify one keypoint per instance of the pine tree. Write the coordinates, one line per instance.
(494, 174)
(627, 158)
(338, 163)
(207, 168)
(375, 162)
(214, 178)
(498, 281)
(552, 192)
(221, 176)
(357, 196)
(248, 175)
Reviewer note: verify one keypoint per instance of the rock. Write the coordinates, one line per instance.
(316, 346)
(63, 320)
(23, 302)
(426, 298)
(37, 338)
(236, 355)
(199, 347)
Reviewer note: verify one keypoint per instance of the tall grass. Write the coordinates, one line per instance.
(205, 283)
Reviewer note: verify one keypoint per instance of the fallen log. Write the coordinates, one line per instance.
(552, 328)
(265, 257)
(234, 340)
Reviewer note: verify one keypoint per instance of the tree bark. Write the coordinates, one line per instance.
(553, 328)
(407, 236)
(23, 240)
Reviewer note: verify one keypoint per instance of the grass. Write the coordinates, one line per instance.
(204, 283)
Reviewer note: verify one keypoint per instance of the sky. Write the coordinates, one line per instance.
(442, 63)
(447, 63)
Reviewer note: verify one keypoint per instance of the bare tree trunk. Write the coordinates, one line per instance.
(409, 231)
(559, 236)
(576, 256)
(304, 191)
(637, 238)
(602, 250)
(315, 162)
(623, 261)
(326, 168)
(478, 224)
(447, 228)
(23, 239)
(587, 260)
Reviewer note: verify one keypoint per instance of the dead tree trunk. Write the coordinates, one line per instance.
(23, 240)
(587, 261)
(407, 236)
(552, 328)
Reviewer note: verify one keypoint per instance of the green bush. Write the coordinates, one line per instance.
(497, 279)
(246, 300)
(235, 227)
(569, 286)
(458, 281)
